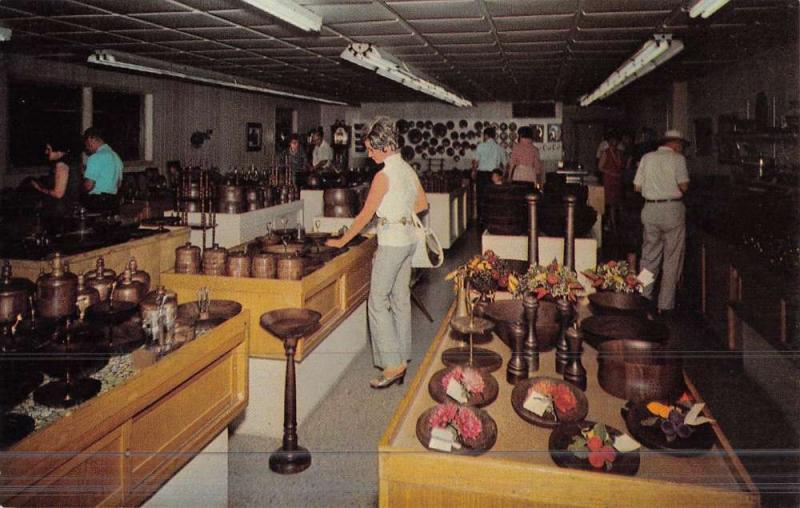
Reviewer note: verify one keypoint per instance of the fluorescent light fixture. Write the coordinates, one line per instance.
(5, 34)
(289, 12)
(706, 8)
(119, 60)
(385, 65)
(650, 56)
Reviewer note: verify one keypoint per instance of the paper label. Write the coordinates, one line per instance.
(456, 391)
(538, 404)
(645, 277)
(693, 416)
(442, 439)
(625, 443)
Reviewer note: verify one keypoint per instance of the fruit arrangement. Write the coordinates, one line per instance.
(553, 280)
(617, 276)
(486, 273)
(596, 445)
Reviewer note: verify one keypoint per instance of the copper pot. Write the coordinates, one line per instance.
(231, 198)
(100, 270)
(187, 259)
(194, 205)
(342, 196)
(268, 240)
(340, 211)
(238, 265)
(128, 290)
(230, 207)
(254, 197)
(214, 260)
(56, 292)
(138, 275)
(101, 279)
(14, 296)
(290, 267)
(263, 266)
(638, 370)
(193, 192)
(289, 248)
(252, 207)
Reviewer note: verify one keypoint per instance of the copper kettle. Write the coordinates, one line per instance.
(56, 292)
(128, 290)
(87, 296)
(102, 279)
(14, 295)
(138, 275)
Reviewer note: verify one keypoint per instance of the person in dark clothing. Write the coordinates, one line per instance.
(61, 189)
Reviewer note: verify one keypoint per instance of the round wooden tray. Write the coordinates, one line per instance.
(439, 393)
(698, 443)
(484, 442)
(561, 438)
(482, 358)
(520, 393)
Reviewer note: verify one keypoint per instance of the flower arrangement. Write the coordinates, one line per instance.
(616, 276)
(470, 379)
(562, 398)
(486, 273)
(461, 418)
(552, 280)
(671, 419)
(596, 445)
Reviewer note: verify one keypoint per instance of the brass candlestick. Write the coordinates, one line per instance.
(531, 306)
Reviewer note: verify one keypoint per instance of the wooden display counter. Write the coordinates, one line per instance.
(518, 470)
(237, 228)
(153, 254)
(334, 290)
(120, 447)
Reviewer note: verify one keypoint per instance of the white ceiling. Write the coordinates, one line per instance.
(509, 50)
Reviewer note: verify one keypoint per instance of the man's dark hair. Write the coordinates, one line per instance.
(92, 132)
(294, 137)
(497, 171)
(525, 132)
(490, 132)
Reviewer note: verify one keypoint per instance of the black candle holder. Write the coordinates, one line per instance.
(289, 325)
(574, 372)
(517, 369)
(566, 314)
(531, 349)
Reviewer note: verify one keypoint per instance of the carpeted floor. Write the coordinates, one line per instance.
(343, 432)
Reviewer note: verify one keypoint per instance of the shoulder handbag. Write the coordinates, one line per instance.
(429, 252)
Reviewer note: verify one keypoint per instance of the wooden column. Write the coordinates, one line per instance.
(533, 232)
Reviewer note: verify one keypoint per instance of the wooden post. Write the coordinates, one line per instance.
(533, 232)
(569, 241)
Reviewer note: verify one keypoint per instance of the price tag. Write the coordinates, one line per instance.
(626, 443)
(646, 277)
(442, 439)
(693, 416)
(456, 391)
(538, 404)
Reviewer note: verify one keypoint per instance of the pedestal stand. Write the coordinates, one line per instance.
(479, 358)
(289, 325)
(574, 372)
(531, 306)
(565, 313)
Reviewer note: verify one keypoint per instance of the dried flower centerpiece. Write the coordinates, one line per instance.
(486, 274)
(553, 280)
(617, 276)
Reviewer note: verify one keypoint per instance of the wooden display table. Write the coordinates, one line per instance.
(518, 471)
(237, 228)
(334, 290)
(118, 448)
(153, 254)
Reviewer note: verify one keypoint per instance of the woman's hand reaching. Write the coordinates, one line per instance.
(336, 243)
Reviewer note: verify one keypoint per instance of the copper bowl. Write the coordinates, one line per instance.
(638, 370)
(509, 317)
(608, 302)
(290, 323)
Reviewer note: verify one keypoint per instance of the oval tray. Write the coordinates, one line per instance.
(520, 393)
(439, 394)
(485, 441)
(699, 443)
(561, 437)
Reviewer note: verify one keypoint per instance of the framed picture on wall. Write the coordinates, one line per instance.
(358, 137)
(554, 133)
(254, 137)
(538, 132)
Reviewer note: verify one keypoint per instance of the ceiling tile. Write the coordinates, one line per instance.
(433, 9)
(209, 5)
(280, 31)
(194, 45)
(390, 41)
(182, 20)
(50, 7)
(249, 17)
(372, 28)
(534, 22)
(528, 8)
(429, 26)
(220, 33)
(630, 5)
(156, 35)
(649, 19)
(347, 13)
(93, 38)
(130, 7)
(103, 22)
(461, 38)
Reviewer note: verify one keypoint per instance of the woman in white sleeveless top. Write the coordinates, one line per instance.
(394, 196)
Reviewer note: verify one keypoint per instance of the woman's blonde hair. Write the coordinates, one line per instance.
(382, 135)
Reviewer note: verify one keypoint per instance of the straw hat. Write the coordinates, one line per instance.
(674, 135)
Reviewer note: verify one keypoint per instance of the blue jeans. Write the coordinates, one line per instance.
(389, 305)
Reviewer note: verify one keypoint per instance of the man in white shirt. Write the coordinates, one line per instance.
(488, 157)
(662, 178)
(322, 156)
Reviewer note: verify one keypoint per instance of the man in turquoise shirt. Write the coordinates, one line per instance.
(488, 157)
(103, 168)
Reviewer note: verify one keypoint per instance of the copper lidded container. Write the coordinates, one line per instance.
(57, 291)
(101, 278)
(263, 266)
(128, 290)
(159, 312)
(214, 260)
(87, 296)
(238, 264)
(14, 295)
(187, 259)
(290, 267)
(138, 275)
